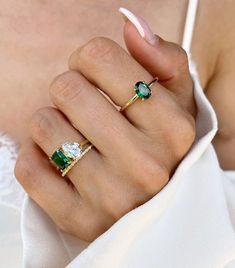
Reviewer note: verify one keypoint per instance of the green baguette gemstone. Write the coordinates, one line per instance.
(60, 160)
(143, 90)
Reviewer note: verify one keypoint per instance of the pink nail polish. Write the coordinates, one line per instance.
(140, 24)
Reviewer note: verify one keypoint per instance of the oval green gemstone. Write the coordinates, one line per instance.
(143, 90)
(61, 160)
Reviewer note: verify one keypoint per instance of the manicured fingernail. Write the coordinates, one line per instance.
(140, 24)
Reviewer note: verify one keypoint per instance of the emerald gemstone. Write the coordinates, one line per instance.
(60, 159)
(143, 90)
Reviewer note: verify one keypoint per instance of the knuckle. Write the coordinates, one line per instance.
(41, 124)
(98, 48)
(66, 87)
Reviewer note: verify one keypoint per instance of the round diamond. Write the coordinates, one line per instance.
(142, 90)
(72, 149)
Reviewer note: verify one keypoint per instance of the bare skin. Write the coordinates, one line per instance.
(35, 46)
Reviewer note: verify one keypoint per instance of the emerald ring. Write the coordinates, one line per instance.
(68, 154)
(142, 91)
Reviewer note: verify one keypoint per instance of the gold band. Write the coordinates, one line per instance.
(131, 101)
(84, 142)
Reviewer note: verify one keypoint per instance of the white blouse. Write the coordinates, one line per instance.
(190, 223)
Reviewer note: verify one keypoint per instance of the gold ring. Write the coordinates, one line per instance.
(142, 91)
(68, 154)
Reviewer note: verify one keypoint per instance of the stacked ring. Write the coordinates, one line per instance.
(68, 154)
(142, 91)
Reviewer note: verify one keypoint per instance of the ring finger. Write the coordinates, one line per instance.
(50, 129)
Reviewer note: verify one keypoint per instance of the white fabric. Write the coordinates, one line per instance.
(11, 198)
(189, 24)
(190, 223)
(11, 193)
(10, 238)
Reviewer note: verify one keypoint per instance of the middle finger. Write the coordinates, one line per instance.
(114, 71)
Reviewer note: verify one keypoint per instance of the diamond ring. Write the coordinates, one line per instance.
(142, 91)
(68, 154)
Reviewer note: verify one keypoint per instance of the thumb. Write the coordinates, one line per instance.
(163, 59)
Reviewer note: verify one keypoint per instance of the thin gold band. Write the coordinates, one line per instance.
(84, 142)
(131, 101)
(153, 81)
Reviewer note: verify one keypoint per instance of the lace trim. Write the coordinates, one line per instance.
(11, 192)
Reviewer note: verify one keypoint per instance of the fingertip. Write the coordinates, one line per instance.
(140, 25)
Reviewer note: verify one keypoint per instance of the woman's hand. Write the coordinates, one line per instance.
(135, 152)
